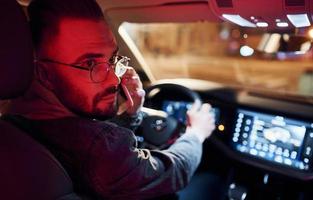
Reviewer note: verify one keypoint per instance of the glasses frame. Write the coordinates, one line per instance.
(117, 59)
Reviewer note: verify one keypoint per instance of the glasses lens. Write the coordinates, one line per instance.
(99, 72)
(121, 66)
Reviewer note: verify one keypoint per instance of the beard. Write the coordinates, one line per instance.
(105, 109)
(102, 106)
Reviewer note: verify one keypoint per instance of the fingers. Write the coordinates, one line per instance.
(206, 108)
(130, 72)
(195, 107)
(139, 93)
(131, 79)
(132, 82)
(201, 120)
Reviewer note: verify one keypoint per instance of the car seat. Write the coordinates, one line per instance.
(28, 170)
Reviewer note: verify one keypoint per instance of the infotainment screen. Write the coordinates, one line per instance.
(178, 109)
(275, 138)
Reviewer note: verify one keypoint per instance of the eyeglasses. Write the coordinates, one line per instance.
(98, 70)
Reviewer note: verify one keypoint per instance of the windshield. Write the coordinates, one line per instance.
(220, 53)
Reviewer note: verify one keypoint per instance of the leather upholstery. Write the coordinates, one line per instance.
(16, 55)
(27, 170)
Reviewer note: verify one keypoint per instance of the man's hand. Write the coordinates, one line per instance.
(131, 81)
(201, 121)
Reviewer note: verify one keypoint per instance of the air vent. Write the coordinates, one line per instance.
(224, 3)
(295, 2)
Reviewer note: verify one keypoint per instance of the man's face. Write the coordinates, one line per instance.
(78, 41)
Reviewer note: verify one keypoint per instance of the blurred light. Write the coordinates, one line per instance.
(245, 36)
(265, 179)
(282, 24)
(252, 17)
(299, 20)
(277, 20)
(270, 42)
(263, 42)
(221, 127)
(235, 33)
(305, 47)
(286, 37)
(224, 34)
(262, 24)
(246, 51)
(237, 19)
(311, 33)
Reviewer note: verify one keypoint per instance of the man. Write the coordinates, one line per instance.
(75, 87)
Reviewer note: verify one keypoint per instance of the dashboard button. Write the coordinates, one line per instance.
(278, 159)
(253, 152)
(287, 161)
(301, 165)
(265, 147)
(293, 155)
(286, 153)
(258, 146)
(308, 151)
(272, 148)
(279, 151)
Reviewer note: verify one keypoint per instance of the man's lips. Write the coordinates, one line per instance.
(107, 94)
(108, 97)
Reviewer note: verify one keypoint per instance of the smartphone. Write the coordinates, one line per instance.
(125, 99)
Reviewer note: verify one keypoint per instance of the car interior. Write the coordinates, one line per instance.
(251, 60)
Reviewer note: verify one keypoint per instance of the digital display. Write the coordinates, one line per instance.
(274, 138)
(178, 110)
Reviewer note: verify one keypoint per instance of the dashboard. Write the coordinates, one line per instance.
(271, 134)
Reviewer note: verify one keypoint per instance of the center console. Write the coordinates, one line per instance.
(277, 139)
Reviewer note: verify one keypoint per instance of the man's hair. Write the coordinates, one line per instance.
(45, 14)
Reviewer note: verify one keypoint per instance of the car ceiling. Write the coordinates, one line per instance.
(109, 4)
(141, 11)
(149, 10)
(253, 11)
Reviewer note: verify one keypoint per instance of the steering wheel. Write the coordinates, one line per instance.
(157, 129)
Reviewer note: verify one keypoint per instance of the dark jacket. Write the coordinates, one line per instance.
(103, 158)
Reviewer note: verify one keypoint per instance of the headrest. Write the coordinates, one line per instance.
(16, 53)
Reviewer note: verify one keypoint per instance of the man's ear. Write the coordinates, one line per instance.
(43, 75)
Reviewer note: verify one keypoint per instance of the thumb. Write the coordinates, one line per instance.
(195, 106)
